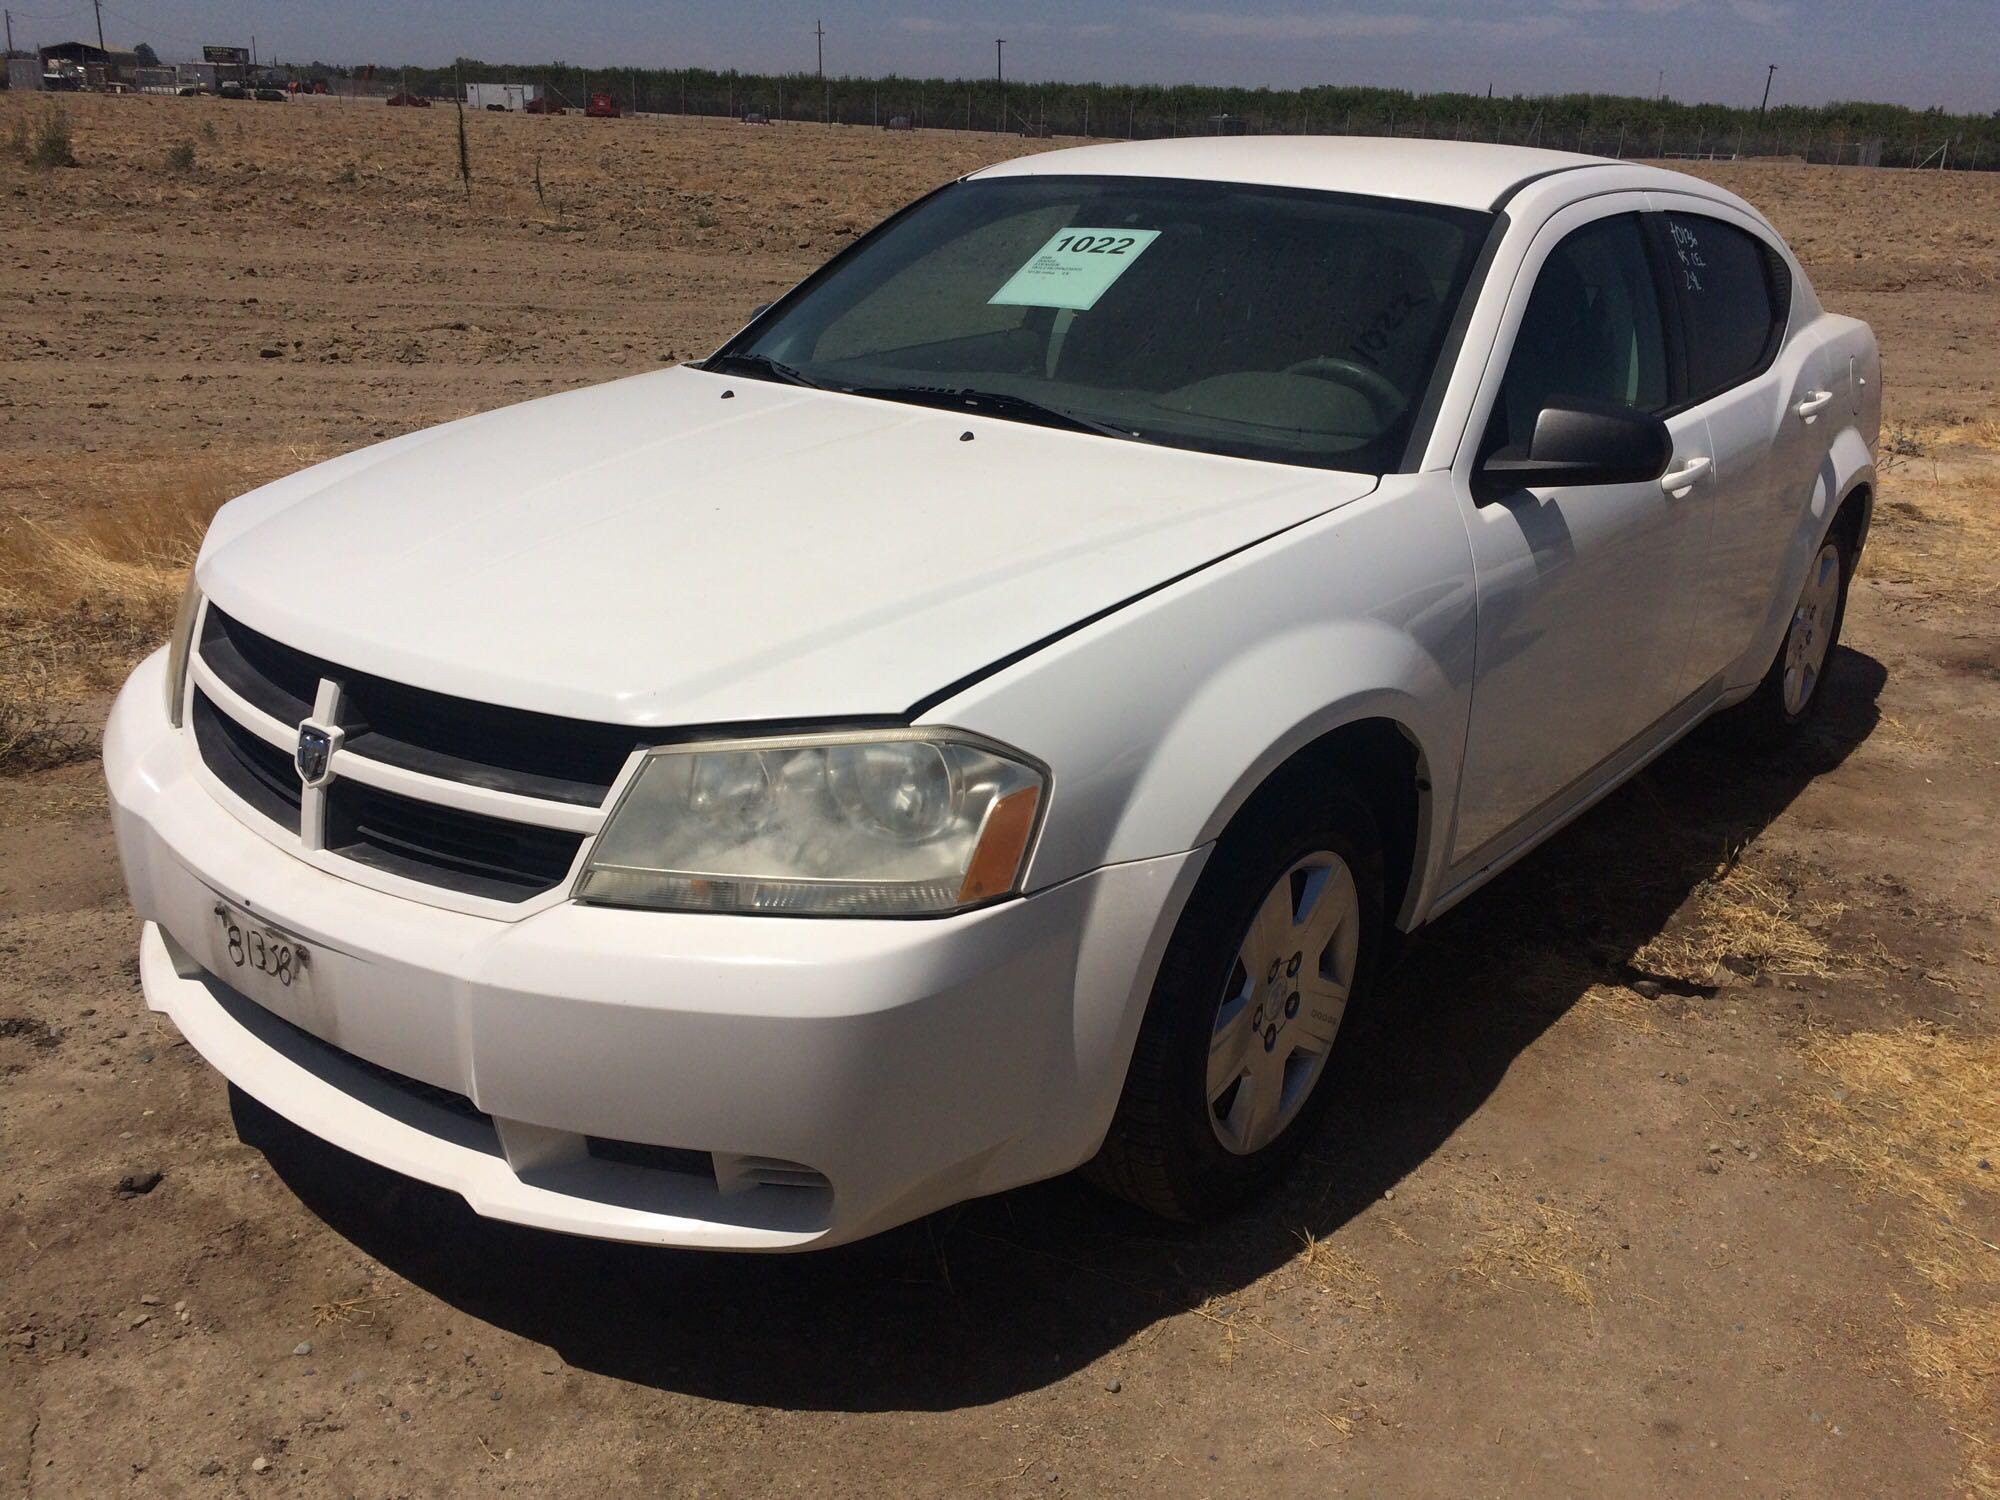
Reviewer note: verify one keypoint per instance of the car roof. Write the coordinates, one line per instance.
(1459, 174)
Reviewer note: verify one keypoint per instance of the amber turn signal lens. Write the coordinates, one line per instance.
(1003, 843)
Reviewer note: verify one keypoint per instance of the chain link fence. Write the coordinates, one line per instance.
(1602, 125)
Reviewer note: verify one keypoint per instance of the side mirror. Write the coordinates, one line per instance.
(759, 310)
(1583, 445)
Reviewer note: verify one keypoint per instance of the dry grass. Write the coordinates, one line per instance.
(1937, 529)
(1914, 738)
(1910, 1115)
(1747, 921)
(1979, 432)
(1340, 1274)
(80, 602)
(1541, 1243)
(1621, 1006)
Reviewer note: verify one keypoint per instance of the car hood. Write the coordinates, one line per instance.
(684, 548)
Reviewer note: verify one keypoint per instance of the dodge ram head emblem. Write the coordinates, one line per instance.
(315, 753)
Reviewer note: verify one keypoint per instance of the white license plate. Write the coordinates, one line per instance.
(266, 963)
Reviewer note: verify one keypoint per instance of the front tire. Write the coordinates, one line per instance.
(1276, 947)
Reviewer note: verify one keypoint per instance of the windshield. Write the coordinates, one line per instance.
(1260, 322)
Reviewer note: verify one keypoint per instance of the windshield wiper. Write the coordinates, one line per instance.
(764, 368)
(996, 404)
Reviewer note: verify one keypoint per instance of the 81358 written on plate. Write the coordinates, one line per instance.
(269, 965)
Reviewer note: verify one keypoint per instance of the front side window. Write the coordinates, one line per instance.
(1724, 279)
(1592, 333)
(1257, 322)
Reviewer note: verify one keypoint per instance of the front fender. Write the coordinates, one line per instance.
(1270, 703)
(1161, 719)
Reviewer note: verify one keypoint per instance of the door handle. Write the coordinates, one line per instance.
(1815, 402)
(1676, 481)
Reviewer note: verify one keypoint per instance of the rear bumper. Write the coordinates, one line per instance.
(812, 1081)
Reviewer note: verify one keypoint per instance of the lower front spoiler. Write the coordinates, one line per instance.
(489, 1162)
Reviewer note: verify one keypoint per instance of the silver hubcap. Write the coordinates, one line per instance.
(1280, 1011)
(1812, 629)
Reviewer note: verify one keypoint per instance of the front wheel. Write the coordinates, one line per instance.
(1276, 946)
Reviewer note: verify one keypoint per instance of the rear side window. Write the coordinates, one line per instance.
(1735, 310)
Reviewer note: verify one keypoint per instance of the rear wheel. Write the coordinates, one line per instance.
(1275, 948)
(1790, 692)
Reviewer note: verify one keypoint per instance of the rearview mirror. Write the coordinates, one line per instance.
(1583, 445)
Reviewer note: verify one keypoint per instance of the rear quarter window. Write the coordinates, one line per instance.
(1736, 296)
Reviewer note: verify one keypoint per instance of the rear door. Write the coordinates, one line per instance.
(1766, 391)
(1586, 592)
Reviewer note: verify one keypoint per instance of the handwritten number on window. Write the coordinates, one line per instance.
(1687, 249)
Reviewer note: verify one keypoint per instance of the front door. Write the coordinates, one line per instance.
(1586, 593)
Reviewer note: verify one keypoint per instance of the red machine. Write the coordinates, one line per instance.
(602, 107)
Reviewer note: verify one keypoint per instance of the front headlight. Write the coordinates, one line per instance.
(889, 823)
(178, 646)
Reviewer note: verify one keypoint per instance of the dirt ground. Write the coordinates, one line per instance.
(1670, 1168)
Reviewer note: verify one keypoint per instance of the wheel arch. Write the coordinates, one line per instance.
(1849, 480)
(1854, 516)
(1382, 759)
(1378, 752)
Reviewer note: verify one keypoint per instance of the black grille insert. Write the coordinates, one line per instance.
(442, 846)
(457, 739)
(256, 770)
(267, 674)
(502, 749)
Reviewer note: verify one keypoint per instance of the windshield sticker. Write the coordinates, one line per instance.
(1074, 269)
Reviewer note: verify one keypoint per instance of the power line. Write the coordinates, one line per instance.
(152, 30)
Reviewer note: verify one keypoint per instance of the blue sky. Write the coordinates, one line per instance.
(1944, 52)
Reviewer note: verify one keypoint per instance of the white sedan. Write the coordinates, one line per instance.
(994, 715)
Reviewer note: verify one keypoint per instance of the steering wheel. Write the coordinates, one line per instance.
(1371, 385)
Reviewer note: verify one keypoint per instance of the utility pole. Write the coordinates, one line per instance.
(10, 33)
(1770, 71)
(98, 6)
(825, 95)
(1000, 79)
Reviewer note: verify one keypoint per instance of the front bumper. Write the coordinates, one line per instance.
(812, 1081)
